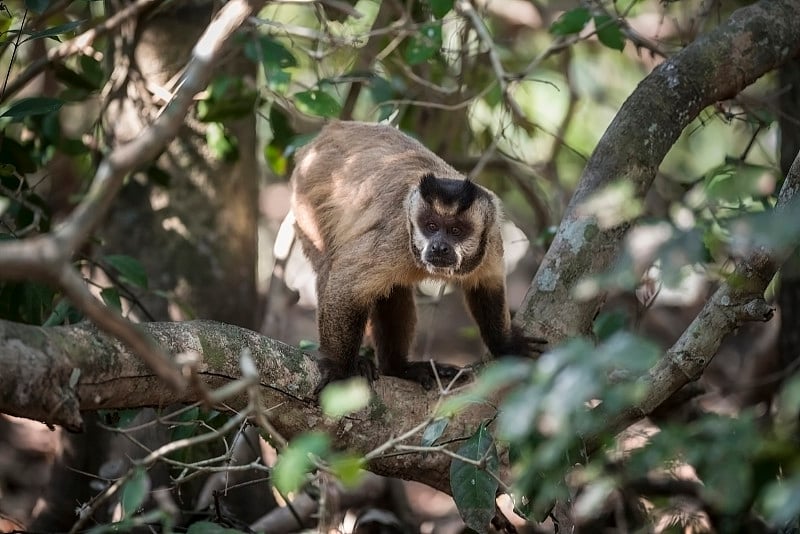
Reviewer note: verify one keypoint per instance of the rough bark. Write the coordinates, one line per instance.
(755, 40)
(76, 368)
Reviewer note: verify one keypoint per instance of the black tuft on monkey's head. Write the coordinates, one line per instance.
(460, 194)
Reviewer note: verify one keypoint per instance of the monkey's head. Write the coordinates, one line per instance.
(449, 221)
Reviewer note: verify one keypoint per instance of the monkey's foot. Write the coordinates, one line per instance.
(333, 371)
(425, 375)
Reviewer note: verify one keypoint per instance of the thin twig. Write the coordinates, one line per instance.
(74, 46)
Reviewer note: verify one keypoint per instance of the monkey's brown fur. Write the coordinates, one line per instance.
(352, 187)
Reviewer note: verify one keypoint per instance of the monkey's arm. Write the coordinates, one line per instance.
(487, 303)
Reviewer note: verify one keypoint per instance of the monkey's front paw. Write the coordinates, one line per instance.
(423, 374)
(521, 344)
(332, 371)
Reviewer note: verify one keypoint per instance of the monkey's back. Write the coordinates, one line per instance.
(350, 185)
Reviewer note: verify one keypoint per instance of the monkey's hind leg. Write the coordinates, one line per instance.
(393, 319)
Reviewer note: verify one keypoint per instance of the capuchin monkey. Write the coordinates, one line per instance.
(376, 213)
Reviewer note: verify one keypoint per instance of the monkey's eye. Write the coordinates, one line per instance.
(432, 227)
(455, 231)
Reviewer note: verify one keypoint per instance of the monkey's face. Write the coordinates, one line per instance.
(447, 219)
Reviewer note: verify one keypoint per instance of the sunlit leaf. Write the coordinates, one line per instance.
(296, 461)
(570, 22)
(317, 102)
(473, 487)
(223, 146)
(344, 397)
(348, 468)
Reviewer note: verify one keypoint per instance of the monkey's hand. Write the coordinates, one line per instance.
(425, 375)
(333, 371)
(521, 344)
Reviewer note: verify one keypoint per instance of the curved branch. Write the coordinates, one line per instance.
(755, 40)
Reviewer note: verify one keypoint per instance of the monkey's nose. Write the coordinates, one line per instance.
(440, 249)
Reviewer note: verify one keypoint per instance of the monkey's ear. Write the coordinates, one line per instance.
(458, 193)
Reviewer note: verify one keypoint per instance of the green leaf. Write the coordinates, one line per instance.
(609, 32)
(296, 461)
(55, 31)
(571, 22)
(110, 296)
(274, 58)
(277, 161)
(348, 468)
(228, 98)
(434, 431)
(223, 146)
(317, 102)
(130, 269)
(29, 107)
(440, 8)
(424, 44)
(473, 488)
(63, 313)
(344, 397)
(134, 492)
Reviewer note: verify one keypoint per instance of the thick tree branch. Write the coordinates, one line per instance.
(739, 300)
(755, 40)
(48, 257)
(69, 369)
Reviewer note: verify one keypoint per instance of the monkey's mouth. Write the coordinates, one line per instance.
(440, 265)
